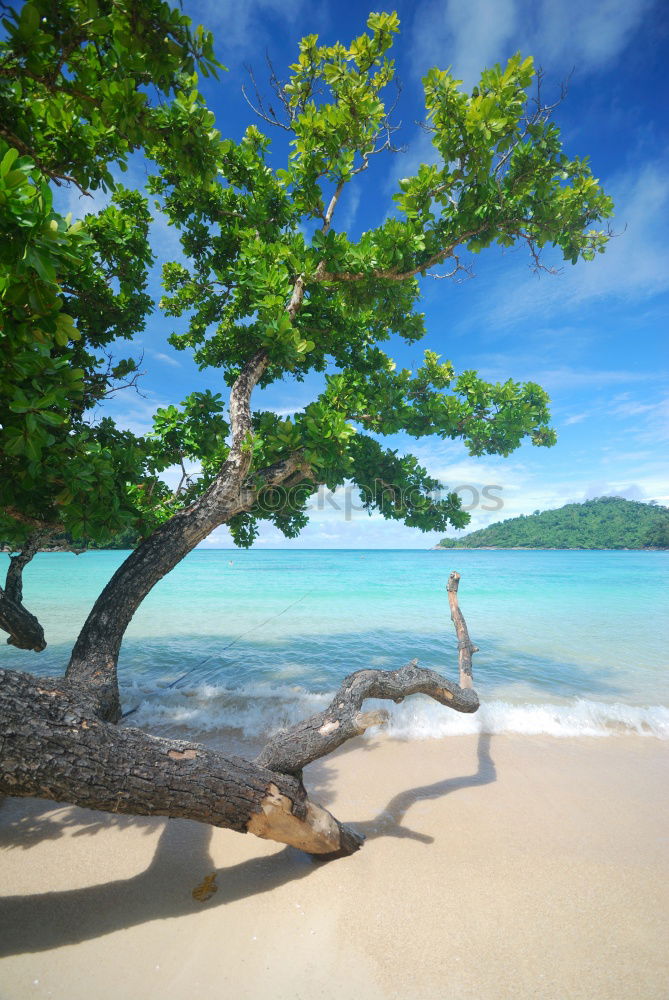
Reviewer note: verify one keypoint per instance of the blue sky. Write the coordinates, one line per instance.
(594, 335)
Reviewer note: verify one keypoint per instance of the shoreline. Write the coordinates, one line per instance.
(536, 548)
(495, 867)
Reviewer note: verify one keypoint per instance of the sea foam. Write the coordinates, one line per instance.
(259, 709)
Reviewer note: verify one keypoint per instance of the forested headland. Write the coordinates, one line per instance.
(603, 523)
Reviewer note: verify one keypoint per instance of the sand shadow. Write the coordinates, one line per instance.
(389, 823)
(49, 920)
(43, 921)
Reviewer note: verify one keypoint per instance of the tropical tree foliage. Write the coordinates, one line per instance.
(75, 85)
(267, 269)
(270, 272)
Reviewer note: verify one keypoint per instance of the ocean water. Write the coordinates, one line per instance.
(241, 643)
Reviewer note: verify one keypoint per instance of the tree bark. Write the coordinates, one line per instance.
(465, 646)
(292, 749)
(95, 654)
(54, 744)
(25, 632)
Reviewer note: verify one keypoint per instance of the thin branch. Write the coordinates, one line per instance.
(392, 274)
(33, 522)
(105, 377)
(327, 218)
(268, 116)
(57, 178)
(185, 477)
(459, 268)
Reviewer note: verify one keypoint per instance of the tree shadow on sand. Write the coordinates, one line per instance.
(43, 921)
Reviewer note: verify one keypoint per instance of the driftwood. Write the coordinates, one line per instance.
(54, 744)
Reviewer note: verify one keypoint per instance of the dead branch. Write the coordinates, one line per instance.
(292, 749)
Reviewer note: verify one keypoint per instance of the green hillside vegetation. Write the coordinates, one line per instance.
(604, 523)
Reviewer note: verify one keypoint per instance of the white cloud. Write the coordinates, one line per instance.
(406, 163)
(535, 366)
(466, 35)
(651, 424)
(523, 487)
(133, 412)
(70, 200)
(347, 210)
(472, 34)
(632, 409)
(588, 34)
(285, 411)
(624, 489)
(243, 28)
(564, 377)
(165, 358)
(634, 267)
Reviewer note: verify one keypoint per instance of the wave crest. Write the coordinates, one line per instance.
(259, 709)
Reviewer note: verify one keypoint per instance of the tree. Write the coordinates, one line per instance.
(272, 290)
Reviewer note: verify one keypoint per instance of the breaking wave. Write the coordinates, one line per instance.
(258, 709)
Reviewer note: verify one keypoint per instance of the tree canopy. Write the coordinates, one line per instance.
(267, 271)
(78, 82)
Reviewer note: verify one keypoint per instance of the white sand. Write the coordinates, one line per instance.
(495, 867)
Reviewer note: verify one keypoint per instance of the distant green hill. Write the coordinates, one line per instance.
(605, 523)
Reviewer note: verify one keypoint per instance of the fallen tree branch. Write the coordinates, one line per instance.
(56, 743)
(54, 746)
(292, 749)
(465, 646)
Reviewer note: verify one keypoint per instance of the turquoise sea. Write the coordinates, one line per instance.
(571, 643)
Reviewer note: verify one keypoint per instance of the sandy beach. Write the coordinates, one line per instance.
(494, 867)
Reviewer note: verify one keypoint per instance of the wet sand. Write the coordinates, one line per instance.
(495, 867)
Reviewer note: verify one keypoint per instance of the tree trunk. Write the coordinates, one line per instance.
(54, 744)
(57, 738)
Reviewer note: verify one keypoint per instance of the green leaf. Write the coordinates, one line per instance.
(100, 25)
(41, 263)
(28, 20)
(7, 160)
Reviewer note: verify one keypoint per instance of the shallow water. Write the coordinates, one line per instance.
(571, 643)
